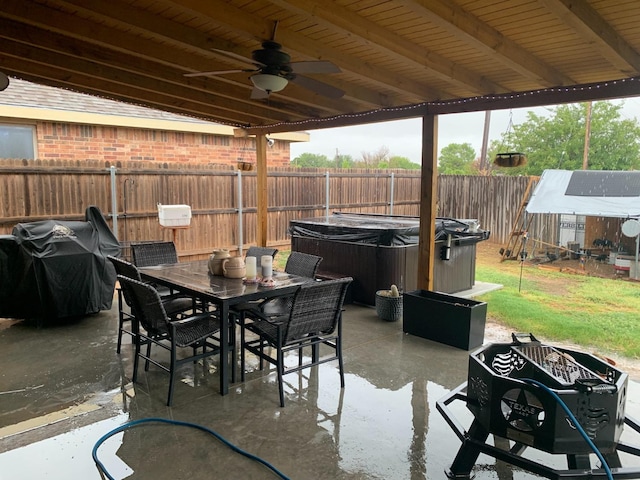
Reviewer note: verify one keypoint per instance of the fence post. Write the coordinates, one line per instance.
(114, 200)
(391, 193)
(326, 210)
(240, 237)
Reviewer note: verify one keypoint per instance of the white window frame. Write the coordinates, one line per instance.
(32, 126)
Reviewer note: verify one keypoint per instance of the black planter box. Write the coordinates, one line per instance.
(447, 319)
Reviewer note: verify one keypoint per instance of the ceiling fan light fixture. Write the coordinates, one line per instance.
(269, 83)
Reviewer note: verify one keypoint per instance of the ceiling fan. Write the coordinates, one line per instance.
(273, 70)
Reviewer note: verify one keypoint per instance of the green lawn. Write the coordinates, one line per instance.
(592, 312)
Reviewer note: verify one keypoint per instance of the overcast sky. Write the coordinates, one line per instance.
(403, 137)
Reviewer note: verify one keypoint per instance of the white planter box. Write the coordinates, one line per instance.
(174, 215)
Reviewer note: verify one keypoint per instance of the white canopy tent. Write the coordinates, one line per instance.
(593, 193)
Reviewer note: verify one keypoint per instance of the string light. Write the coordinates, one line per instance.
(461, 101)
(405, 108)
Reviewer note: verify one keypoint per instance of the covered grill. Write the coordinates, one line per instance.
(53, 269)
(522, 392)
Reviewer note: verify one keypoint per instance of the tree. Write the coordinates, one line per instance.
(373, 159)
(457, 159)
(312, 160)
(557, 141)
(400, 163)
(343, 161)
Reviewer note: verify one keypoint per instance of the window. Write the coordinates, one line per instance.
(16, 141)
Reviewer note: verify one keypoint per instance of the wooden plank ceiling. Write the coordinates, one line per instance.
(397, 59)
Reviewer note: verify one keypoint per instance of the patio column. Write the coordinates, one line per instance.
(428, 202)
(261, 184)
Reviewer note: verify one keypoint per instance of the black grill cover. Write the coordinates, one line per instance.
(53, 269)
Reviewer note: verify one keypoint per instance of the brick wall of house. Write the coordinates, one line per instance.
(113, 144)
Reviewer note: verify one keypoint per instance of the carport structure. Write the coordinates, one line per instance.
(396, 59)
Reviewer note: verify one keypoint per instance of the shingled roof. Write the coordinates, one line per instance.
(21, 93)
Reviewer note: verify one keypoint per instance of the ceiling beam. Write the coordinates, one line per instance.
(259, 29)
(597, 32)
(627, 87)
(107, 79)
(54, 77)
(205, 46)
(41, 39)
(487, 40)
(350, 23)
(145, 50)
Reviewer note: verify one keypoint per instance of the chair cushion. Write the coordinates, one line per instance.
(276, 306)
(177, 305)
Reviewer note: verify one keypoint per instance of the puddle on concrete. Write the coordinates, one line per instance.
(67, 456)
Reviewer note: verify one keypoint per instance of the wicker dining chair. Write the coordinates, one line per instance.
(298, 263)
(314, 319)
(148, 254)
(175, 304)
(258, 252)
(193, 332)
(302, 264)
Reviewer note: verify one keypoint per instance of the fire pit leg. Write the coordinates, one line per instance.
(469, 452)
(613, 460)
(578, 462)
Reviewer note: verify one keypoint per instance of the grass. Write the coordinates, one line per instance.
(598, 313)
(592, 312)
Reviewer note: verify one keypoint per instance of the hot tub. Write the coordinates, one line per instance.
(381, 250)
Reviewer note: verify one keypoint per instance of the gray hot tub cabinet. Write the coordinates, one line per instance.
(378, 251)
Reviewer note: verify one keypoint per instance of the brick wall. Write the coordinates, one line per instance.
(113, 144)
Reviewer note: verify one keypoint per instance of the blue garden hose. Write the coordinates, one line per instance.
(134, 423)
(575, 422)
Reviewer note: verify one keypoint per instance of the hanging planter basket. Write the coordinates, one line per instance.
(511, 159)
(246, 166)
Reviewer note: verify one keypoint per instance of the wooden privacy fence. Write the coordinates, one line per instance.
(220, 196)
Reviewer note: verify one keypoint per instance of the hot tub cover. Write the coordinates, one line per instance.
(53, 269)
(385, 230)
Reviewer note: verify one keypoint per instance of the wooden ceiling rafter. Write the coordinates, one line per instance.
(137, 66)
(398, 59)
(101, 38)
(394, 45)
(207, 48)
(597, 32)
(235, 18)
(469, 28)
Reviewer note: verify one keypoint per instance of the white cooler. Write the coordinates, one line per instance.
(174, 215)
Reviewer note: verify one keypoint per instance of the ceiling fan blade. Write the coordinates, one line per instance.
(216, 72)
(317, 86)
(320, 66)
(237, 56)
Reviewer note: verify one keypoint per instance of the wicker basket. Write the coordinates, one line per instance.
(388, 308)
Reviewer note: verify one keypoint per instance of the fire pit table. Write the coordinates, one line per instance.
(555, 400)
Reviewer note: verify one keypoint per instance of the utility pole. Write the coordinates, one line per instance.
(587, 137)
(484, 161)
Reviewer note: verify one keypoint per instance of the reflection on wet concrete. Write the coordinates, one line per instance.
(66, 456)
(382, 425)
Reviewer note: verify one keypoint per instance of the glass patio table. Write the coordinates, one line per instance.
(194, 279)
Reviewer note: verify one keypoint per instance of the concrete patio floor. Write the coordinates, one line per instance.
(62, 387)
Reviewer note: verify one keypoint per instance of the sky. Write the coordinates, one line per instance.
(403, 137)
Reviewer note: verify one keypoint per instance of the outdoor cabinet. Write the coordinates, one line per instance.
(447, 319)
